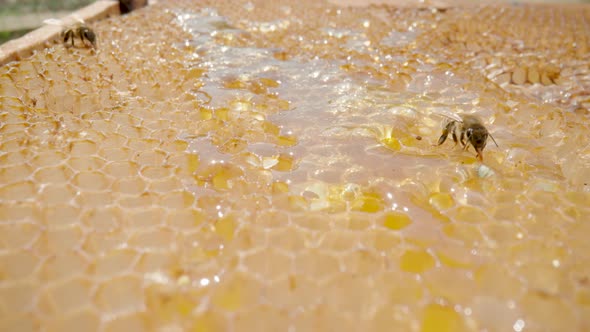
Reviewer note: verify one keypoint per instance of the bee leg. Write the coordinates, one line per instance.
(455, 138)
(67, 36)
(463, 140)
(443, 137)
(449, 127)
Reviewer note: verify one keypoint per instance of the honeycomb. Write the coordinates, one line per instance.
(271, 166)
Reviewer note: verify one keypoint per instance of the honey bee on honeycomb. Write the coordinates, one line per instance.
(78, 30)
(471, 131)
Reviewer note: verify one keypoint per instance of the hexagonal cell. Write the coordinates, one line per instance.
(340, 241)
(416, 261)
(317, 264)
(132, 185)
(237, 292)
(84, 320)
(93, 199)
(186, 219)
(86, 163)
(263, 318)
(467, 233)
(154, 262)
(91, 181)
(382, 241)
(267, 264)
(396, 220)
(18, 235)
(165, 185)
(82, 148)
(288, 239)
(17, 265)
(128, 323)
(150, 158)
(57, 194)
(114, 140)
(116, 154)
(408, 290)
(358, 300)
(15, 173)
(143, 144)
(18, 191)
(144, 200)
(453, 285)
(323, 318)
(21, 323)
(48, 158)
(65, 297)
(102, 219)
(16, 157)
(64, 265)
(496, 315)
(59, 240)
(98, 243)
(272, 218)
(157, 172)
(439, 318)
(177, 199)
(17, 298)
(121, 169)
(61, 215)
(362, 262)
(210, 320)
(19, 211)
(546, 311)
(159, 239)
(113, 263)
(146, 218)
(60, 175)
(318, 223)
(469, 214)
(120, 295)
(392, 318)
(498, 280)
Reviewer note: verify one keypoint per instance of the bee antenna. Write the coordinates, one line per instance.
(494, 140)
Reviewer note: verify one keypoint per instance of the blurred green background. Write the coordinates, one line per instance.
(17, 17)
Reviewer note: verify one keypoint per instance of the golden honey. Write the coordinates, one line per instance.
(258, 166)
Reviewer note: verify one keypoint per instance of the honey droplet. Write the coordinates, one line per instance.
(225, 227)
(286, 163)
(268, 82)
(194, 73)
(193, 162)
(369, 202)
(470, 214)
(280, 187)
(519, 76)
(441, 201)
(205, 114)
(222, 114)
(439, 318)
(287, 140)
(392, 143)
(416, 261)
(396, 220)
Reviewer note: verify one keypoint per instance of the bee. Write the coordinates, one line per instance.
(78, 30)
(471, 132)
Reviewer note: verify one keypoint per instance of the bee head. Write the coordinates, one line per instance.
(89, 35)
(477, 137)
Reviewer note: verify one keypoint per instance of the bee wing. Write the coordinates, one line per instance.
(78, 19)
(445, 112)
(54, 21)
